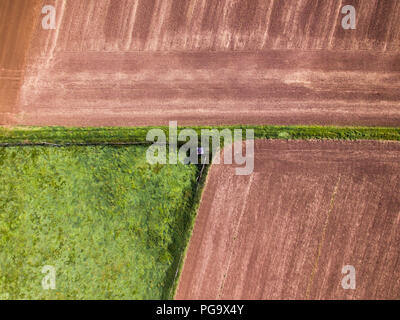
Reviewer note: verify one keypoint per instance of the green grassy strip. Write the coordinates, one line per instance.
(109, 135)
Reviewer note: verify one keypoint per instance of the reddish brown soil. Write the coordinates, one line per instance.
(147, 62)
(17, 19)
(286, 231)
(193, 25)
(273, 87)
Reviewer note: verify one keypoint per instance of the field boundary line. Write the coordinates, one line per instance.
(48, 144)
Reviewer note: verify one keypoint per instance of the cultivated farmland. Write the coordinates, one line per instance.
(17, 22)
(145, 62)
(286, 231)
(116, 227)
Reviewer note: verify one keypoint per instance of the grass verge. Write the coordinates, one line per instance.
(131, 135)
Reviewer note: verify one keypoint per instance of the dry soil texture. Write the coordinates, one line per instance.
(287, 230)
(144, 62)
(17, 21)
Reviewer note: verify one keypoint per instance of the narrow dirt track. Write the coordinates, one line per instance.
(146, 62)
(286, 231)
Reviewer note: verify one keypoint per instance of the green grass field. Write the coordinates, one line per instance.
(112, 225)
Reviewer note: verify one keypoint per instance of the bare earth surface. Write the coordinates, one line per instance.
(146, 62)
(286, 231)
(17, 20)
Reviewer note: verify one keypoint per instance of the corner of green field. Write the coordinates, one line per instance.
(110, 223)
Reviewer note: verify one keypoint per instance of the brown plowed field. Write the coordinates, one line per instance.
(286, 231)
(203, 62)
(17, 21)
(204, 25)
